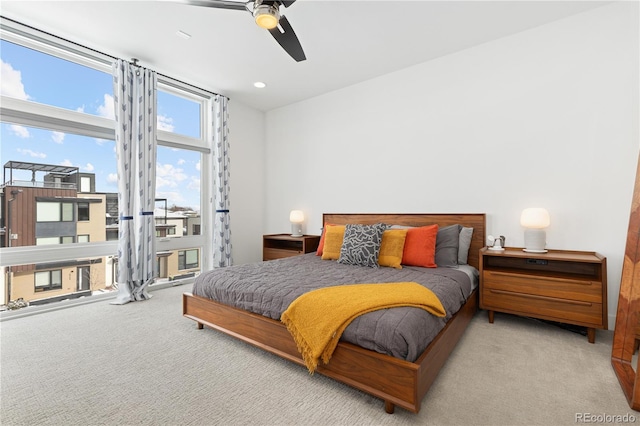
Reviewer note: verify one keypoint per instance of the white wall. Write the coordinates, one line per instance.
(546, 117)
(246, 153)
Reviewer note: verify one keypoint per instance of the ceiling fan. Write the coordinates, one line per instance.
(267, 15)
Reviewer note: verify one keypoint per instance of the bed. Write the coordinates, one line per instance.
(398, 382)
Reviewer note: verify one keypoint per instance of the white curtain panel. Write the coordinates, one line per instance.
(134, 90)
(221, 228)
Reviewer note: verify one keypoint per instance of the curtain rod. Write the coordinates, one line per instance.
(134, 61)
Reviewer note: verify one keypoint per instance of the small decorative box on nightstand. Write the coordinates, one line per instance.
(277, 246)
(562, 286)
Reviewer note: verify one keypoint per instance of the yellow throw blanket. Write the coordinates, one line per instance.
(317, 319)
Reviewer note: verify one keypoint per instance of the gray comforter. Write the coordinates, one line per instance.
(267, 288)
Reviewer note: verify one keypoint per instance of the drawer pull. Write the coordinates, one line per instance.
(534, 296)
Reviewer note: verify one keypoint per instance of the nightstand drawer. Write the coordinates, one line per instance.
(561, 288)
(274, 253)
(574, 311)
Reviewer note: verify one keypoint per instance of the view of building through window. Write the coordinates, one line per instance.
(61, 187)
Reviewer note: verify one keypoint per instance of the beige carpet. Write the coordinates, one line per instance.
(144, 364)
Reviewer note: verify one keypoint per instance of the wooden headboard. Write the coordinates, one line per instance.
(477, 221)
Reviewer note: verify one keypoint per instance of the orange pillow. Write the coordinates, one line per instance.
(334, 236)
(392, 248)
(321, 243)
(420, 247)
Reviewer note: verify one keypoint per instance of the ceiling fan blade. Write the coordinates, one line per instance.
(288, 39)
(219, 4)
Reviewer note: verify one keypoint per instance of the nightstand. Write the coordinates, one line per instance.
(277, 246)
(562, 286)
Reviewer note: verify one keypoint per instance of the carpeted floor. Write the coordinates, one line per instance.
(144, 364)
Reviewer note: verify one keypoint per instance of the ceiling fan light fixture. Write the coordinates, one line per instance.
(267, 16)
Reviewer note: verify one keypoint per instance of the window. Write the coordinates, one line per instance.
(48, 280)
(188, 259)
(59, 96)
(171, 231)
(83, 211)
(54, 212)
(178, 114)
(43, 241)
(85, 184)
(54, 81)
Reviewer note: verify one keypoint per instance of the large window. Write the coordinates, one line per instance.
(83, 211)
(45, 241)
(58, 114)
(188, 259)
(48, 280)
(54, 212)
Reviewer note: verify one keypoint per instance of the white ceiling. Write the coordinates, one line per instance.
(345, 41)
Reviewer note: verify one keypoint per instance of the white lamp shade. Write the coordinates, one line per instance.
(535, 217)
(296, 216)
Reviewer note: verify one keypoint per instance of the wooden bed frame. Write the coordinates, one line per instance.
(397, 382)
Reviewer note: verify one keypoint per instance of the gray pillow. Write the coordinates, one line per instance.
(464, 242)
(447, 244)
(361, 244)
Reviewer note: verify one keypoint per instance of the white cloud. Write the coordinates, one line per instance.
(66, 163)
(89, 167)
(181, 161)
(31, 153)
(198, 166)
(169, 176)
(165, 123)
(11, 82)
(80, 109)
(107, 109)
(20, 131)
(57, 137)
(112, 178)
(194, 184)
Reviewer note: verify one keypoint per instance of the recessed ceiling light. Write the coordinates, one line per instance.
(182, 34)
(260, 85)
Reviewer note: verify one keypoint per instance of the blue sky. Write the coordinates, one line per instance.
(34, 76)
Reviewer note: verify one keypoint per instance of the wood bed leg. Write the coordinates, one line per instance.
(490, 313)
(591, 334)
(389, 407)
(200, 326)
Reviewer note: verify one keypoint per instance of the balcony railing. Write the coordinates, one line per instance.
(41, 184)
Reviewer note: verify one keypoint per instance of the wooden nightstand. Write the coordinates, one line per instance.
(276, 246)
(562, 286)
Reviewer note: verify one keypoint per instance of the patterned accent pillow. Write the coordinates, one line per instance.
(361, 245)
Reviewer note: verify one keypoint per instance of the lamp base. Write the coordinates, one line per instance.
(535, 240)
(296, 230)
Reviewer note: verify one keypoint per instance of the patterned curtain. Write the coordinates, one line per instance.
(134, 91)
(221, 229)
